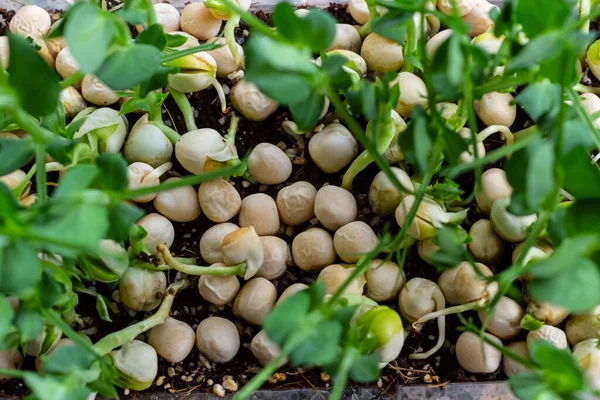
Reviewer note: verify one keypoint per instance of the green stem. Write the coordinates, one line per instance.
(18, 190)
(503, 349)
(116, 339)
(185, 181)
(55, 319)
(151, 13)
(360, 134)
(471, 119)
(260, 378)
(216, 270)
(31, 126)
(584, 115)
(503, 84)
(71, 80)
(411, 46)
(40, 175)
(251, 20)
(174, 55)
(170, 133)
(584, 13)
(186, 109)
(341, 377)
(491, 157)
(230, 26)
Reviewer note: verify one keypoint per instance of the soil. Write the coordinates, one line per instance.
(192, 373)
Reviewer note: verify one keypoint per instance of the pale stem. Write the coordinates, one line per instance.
(474, 305)
(440, 302)
(221, 95)
(117, 339)
(490, 130)
(217, 270)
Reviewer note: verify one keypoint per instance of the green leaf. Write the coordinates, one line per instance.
(306, 113)
(20, 268)
(561, 370)
(89, 32)
(582, 217)
(452, 250)
(392, 25)
(50, 290)
(262, 51)
(67, 359)
(6, 316)
(48, 388)
(29, 323)
(530, 385)
(581, 176)
(287, 317)
(35, 83)
(283, 87)
(316, 30)
(321, 346)
(155, 36)
(60, 149)
(529, 172)
(555, 228)
(536, 51)
(316, 291)
(332, 65)
(102, 308)
(556, 14)
(365, 368)
(15, 153)
(134, 104)
(415, 141)
(113, 171)
(76, 179)
(577, 289)
(541, 100)
(455, 61)
(8, 204)
(530, 323)
(117, 71)
(122, 217)
(563, 258)
(175, 40)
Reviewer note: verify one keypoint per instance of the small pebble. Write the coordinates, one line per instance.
(189, 379)
(218, 390)
(126, 391)
(262, 188)
(427, 379)
(282, 145)
(289, 231)
(160, 381)
(280, 376)
(209, 382)
(171, 372)
(167, 386)
(229, 384)
(379, 383)
(246, 184)
(324, 377)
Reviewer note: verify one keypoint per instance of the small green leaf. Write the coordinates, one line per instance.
(556, 14)
(15, 153)
(577, 289)
(6, 316)
(582, 217)
(49, 388)
(530, 385)
(67, 359)
(117, 71)
(581, 176)
(415, 141)
(20, 268)
(113, 171)
(541, 100)
(287, 317)
(530, 323)
(452, 250)
(102, 308)
(89, 32)
(529, 172)
(122, 217)
(455, 61)
(8, 205)
(315, 30)
(50, 290)
(560, 369)
(321, 346)
(174, 40)
(134, 104)
(35, 83)
(392, 25)
(76, 179)
(537, 50)
(155, 36)
(365, 368)
(564, 256)
(29, 323)
(306, 113)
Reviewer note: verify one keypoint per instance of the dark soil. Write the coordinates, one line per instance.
(192, 374)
